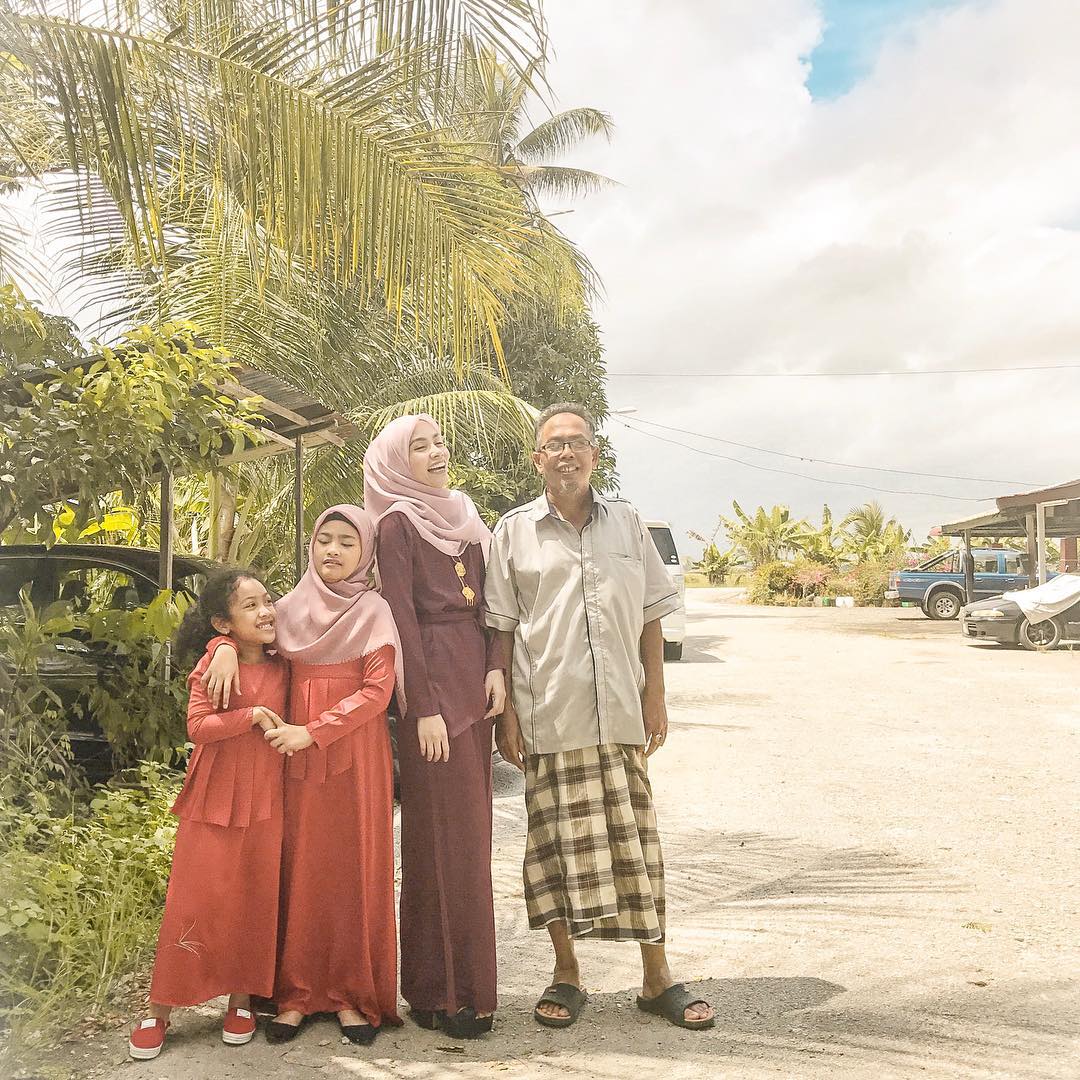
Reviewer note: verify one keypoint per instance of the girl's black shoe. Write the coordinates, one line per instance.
(359, 1034)
(276, 1032)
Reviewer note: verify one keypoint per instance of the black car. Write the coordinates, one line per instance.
(87, 577)
(1000, 620)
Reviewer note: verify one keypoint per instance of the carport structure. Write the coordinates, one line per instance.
(293, 422)
(1051, 512)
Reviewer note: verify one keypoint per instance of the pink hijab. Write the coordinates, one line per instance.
(319, 623)
(446, 519)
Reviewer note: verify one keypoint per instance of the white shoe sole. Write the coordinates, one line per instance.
(229, 1039)
(139, 1053)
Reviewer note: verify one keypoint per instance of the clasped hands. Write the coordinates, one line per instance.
(284, 738)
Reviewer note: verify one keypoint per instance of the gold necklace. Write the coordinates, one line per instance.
(459, 569)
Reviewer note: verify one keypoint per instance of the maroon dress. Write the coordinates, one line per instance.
(447, 917)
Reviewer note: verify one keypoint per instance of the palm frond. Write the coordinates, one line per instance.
(484, 418)
(347, 186)
(557, 179)
(562, 132)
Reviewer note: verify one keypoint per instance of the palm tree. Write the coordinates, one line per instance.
(493, 118)
(872, 535)
(285, 175)
(272, 163)
(768, 535)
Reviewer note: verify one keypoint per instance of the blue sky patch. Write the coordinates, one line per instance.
(855, 30)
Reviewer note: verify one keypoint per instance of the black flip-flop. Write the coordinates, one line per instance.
(571, 998)
(465, 1024)
(672, 1005)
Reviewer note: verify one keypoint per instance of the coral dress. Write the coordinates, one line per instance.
(338, 931)
(220, 928)
(447, 914)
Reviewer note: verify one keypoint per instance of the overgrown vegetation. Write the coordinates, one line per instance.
(82, 875)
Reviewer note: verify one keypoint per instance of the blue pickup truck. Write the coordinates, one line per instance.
(938, 585)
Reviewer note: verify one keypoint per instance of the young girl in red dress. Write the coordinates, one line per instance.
(338, 937)
(219, 932)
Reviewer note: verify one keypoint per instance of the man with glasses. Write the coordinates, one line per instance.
(576, 590)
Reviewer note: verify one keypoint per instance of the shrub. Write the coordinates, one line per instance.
(809, 578)
(139, 708)
(866, 582)
(772, 583)
(81, 901)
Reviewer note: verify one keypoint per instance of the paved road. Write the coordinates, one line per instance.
(871, 838)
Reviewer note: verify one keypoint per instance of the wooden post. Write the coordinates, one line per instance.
(1068, 555)
(165, 557)
(1032, 549)
(969, 570)
(298, 504)
(1040, 539)
(214, 485)
(165, 542)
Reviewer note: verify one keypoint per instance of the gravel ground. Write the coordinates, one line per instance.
(870, 832)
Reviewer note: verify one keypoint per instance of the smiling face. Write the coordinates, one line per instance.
(566, 455)
(428, 457)
(251, 614)
(337, 551)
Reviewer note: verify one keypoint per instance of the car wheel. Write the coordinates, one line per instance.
(943, 605)
(1039, 637)
(672, 650)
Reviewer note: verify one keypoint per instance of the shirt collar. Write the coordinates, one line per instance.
(542, 508)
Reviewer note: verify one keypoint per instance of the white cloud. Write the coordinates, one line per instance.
(922, 220)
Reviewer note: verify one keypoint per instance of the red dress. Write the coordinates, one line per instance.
(220, 927)
(338, 931)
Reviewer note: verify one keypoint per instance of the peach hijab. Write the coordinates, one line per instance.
(319, 623)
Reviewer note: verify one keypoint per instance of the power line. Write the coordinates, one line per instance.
(832, 374)
(838, 464)
(802, 476)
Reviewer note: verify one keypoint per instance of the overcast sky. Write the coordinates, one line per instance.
(833, 185)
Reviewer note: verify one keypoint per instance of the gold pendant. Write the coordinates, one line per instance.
(470, 596)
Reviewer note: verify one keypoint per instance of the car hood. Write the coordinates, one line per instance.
(999, 602)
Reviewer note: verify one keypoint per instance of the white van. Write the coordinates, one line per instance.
(674, 625)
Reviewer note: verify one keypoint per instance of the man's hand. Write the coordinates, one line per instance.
(289, 738)
(508, 738)
(434, 742)
(654, 710)
(266, 718)
(222, 677)
(495, 687)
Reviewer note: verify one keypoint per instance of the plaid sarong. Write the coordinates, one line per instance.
(592, 855)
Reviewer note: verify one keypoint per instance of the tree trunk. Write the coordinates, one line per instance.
(222, 514)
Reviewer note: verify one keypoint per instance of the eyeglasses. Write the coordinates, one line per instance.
(578, 445)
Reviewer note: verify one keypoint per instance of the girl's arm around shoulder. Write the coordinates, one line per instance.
(368, 703)
(205, 723)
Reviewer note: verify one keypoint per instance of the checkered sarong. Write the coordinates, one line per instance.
(592, 855)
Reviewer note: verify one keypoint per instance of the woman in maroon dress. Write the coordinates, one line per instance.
(338, 945)
(219, 932)
(432, 547)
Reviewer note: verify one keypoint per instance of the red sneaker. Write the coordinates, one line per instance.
(147, 1039)
(239, 1027)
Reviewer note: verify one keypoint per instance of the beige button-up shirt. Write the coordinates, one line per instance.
(577, 603)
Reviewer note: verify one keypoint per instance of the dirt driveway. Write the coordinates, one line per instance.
(871, 838)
